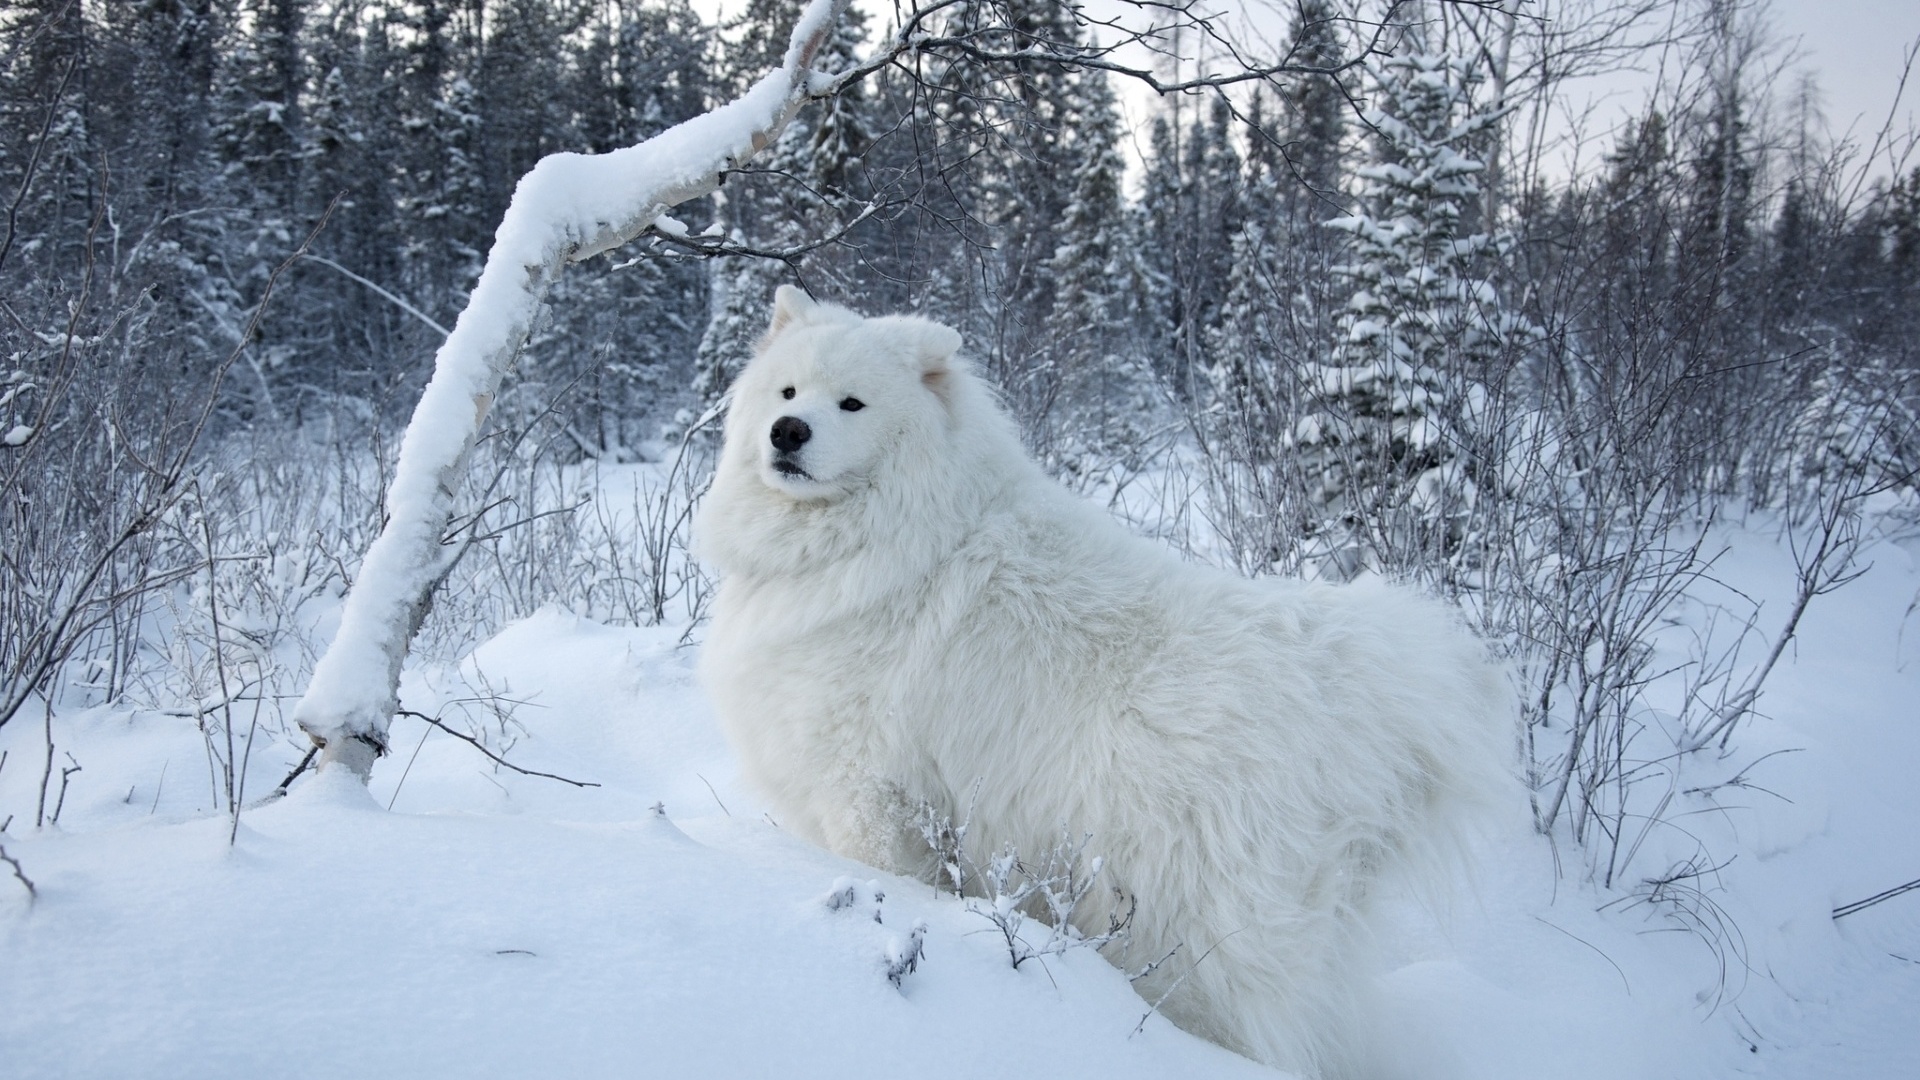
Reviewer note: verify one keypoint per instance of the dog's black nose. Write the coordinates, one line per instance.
(790, 433)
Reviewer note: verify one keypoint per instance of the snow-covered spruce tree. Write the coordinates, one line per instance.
(1040, 105)
(258, 130)
(1085, 270)
(1096, 277)
(1274, 321)
(1390, 434)
(1721, 293)
(1193, 199)
(1156, 222)
(738, 291)
(1292, 179)
(1239, 345)
(1244, 414)
(1314, 113)
(1017, 112)
(353, 341)
(260, 88)
(570, 207)
(438, 182)
(960, 133)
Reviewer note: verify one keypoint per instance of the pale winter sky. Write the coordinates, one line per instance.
(1856, 49)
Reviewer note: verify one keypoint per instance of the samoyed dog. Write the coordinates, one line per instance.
(910, 612)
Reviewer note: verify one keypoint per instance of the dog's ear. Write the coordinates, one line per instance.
(933, 348)
(791, 307)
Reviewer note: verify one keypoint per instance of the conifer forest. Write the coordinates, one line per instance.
(1368, 288)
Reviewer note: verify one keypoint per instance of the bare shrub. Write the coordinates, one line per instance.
(1010, 892)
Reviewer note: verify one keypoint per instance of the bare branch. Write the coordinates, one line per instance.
(496, 758)
(19, 874)
(1843, 910)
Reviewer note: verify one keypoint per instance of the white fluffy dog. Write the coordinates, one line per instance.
(910, 609)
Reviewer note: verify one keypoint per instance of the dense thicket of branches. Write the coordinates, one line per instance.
(1350, 290)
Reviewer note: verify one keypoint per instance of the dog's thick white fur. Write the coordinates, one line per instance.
(910, 609)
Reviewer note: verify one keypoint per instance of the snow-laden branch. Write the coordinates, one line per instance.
(570, 207)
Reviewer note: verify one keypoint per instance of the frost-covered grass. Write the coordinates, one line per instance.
(460, 918)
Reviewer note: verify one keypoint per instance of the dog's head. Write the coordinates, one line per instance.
(833, 399)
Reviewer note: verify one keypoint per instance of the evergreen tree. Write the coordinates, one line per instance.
(1721, 207)
(1903, 230)
(1036, 113)
(1633, 273)
(257, 129)
(644, 65)
(1315, 111)
(261, 91)
(431, 146)
(1207, 215)
(1194, 198)
(959, 132)
(1391, 442)
(515, 100)
(1096, 278)
(1159, 217)
(49, 139)
(1086, 270)
(354, 338)
(1239, 344)
(1270, 324)
(757, 39)
(618, 350)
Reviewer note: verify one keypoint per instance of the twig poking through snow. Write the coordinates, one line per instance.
(903, 956)
(279, 790)
(1051, 888)
(1171, 987)
(1845, 910)
(848, 893)
(33, 893)
(716, 796)
(66, 773)
(497, 759)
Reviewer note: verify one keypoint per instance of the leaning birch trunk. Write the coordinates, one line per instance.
(569, 207)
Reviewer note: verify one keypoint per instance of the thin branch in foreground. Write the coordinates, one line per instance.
(32, 893)
(378, 291)
(482, 747)
(1845, 910)
(713, 246)
(281, 788)
(1175, 985)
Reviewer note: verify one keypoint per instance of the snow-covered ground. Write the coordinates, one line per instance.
(458, 919)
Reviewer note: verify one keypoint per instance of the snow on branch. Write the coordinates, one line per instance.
(569, 207)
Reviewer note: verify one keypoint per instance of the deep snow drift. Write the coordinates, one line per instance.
(491, 923)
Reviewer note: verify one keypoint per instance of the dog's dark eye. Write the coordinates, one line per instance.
(852, 404)
(787, 393)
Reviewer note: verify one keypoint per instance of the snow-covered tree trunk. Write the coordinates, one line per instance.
(570, 207)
